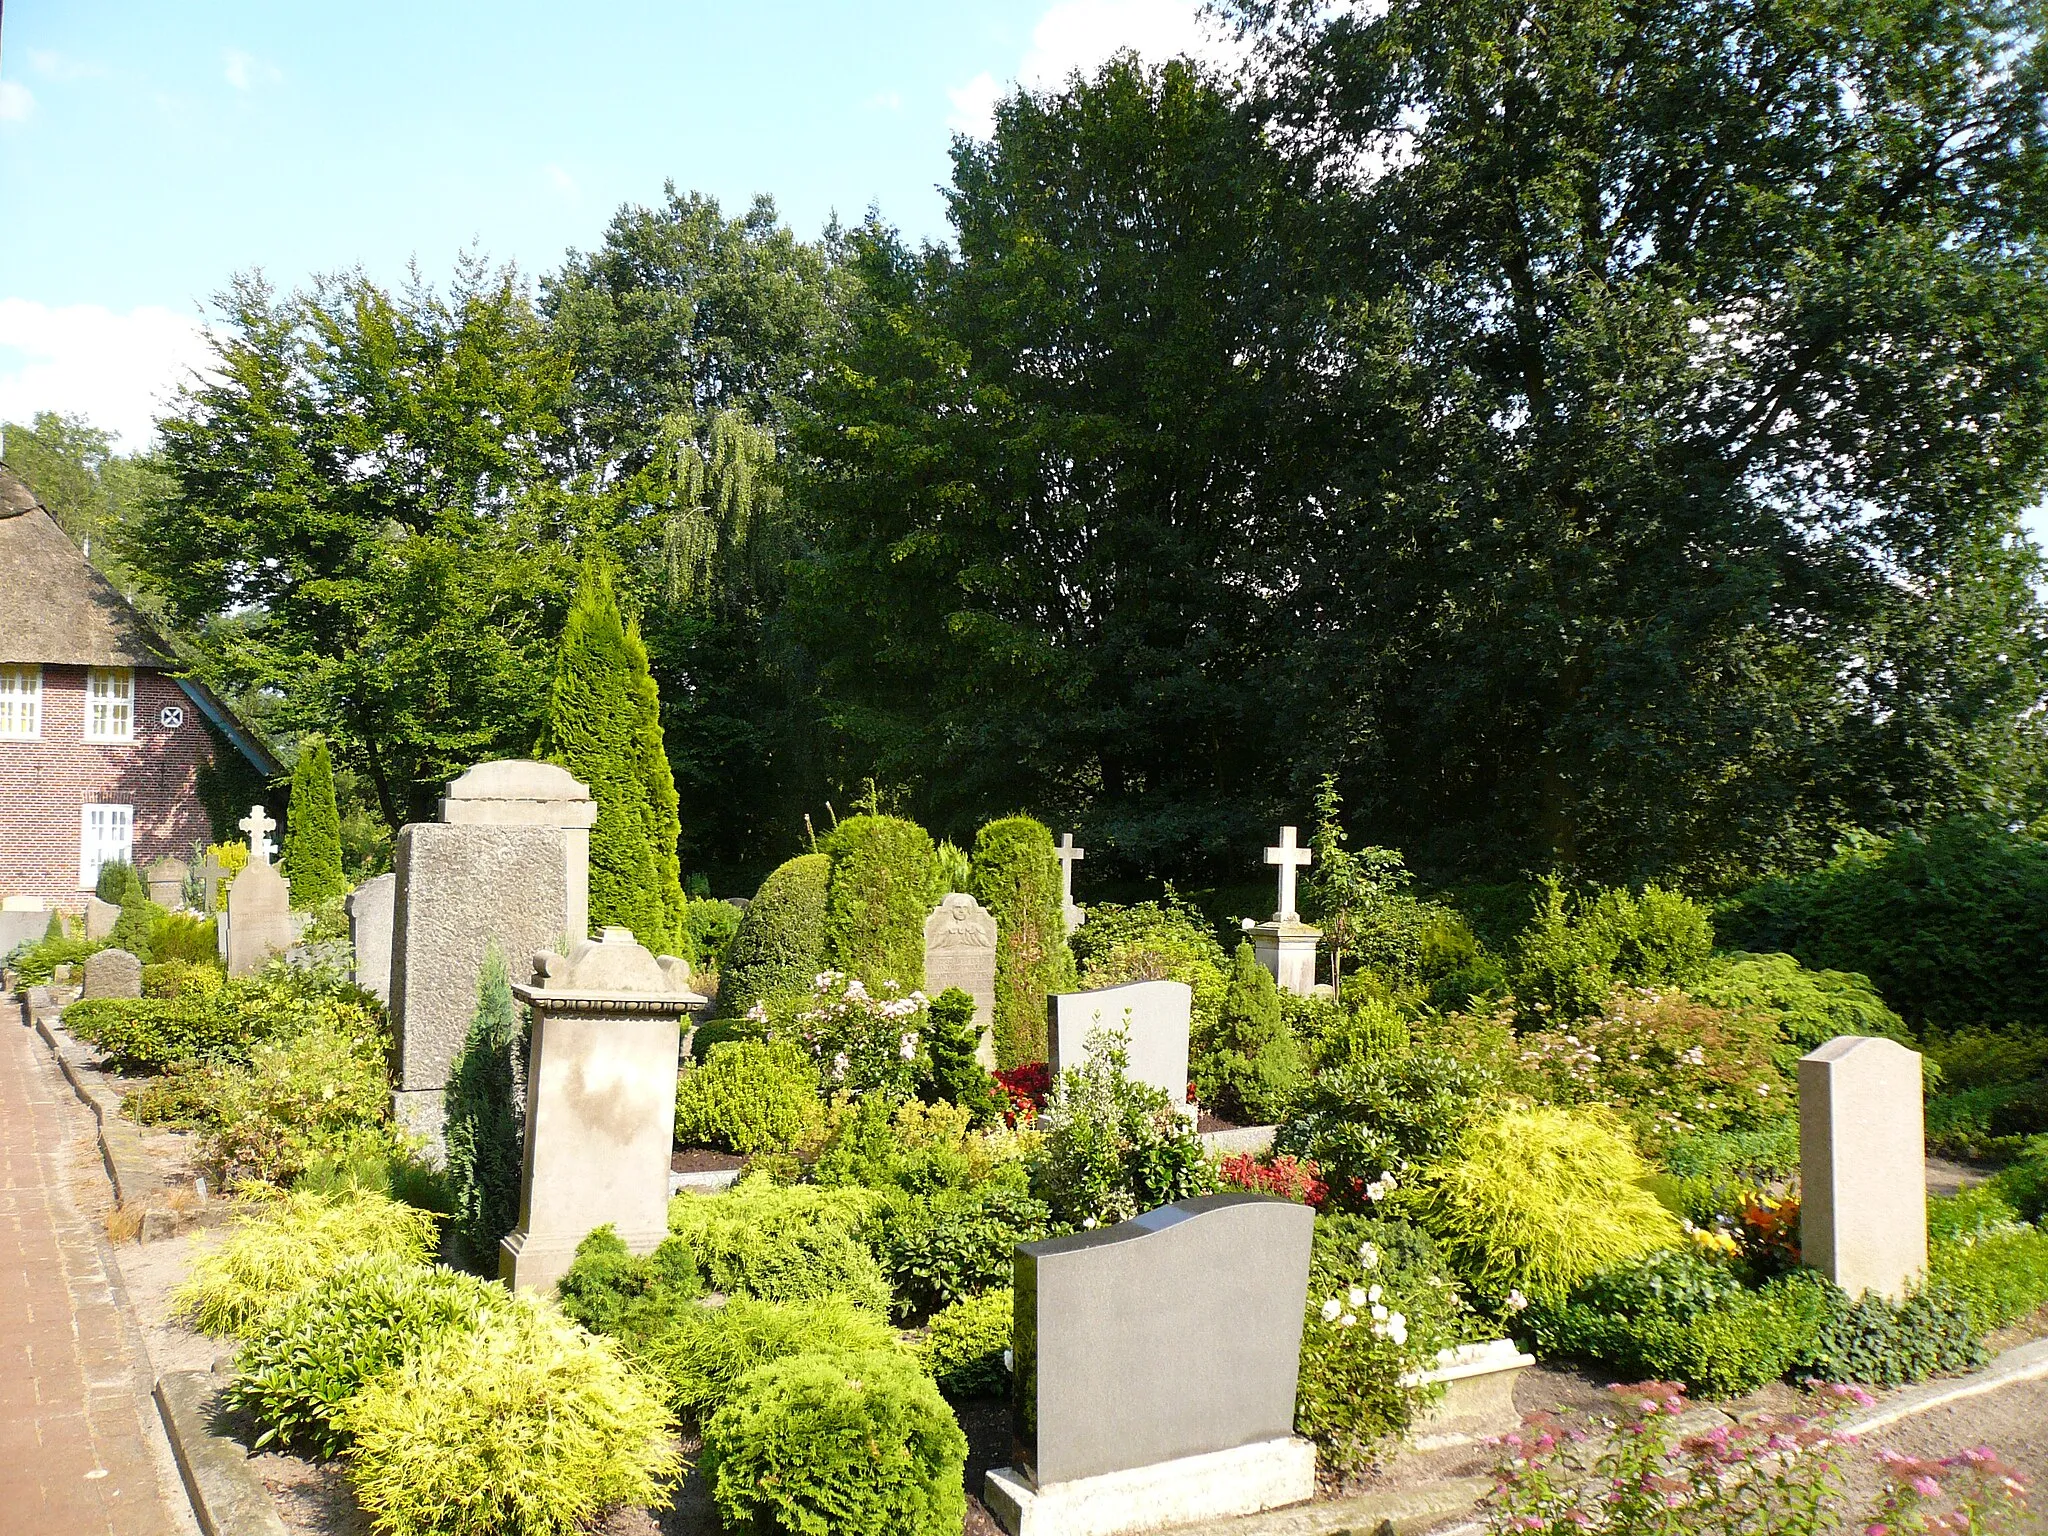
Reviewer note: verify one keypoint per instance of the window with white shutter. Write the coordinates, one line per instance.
(110, 704)
(106, 835)
(21, 703)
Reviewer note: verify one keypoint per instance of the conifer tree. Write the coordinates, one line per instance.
(1017, 877)
(958, 1077)
(604, 726)
(311, 860)
(483, 1132)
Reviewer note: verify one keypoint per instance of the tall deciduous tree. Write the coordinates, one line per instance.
(312, 838)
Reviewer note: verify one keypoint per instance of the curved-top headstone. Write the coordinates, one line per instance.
(960, 951)
(369, 930)
(100, 917)
(1153, 1016)
(259, 917)
(112, 973)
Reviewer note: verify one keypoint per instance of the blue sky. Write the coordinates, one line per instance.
(148, 151)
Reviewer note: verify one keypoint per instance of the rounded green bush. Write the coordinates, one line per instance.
(785, 1242)
(751, 1096)
(838, 1442)
(883, 883)
(313, 1353)
(1017, 877)
(780, 942)
(706, 1350)
(967, 1346)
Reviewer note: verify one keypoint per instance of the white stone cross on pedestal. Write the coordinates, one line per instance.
(1290, 858)
(1069, 856)
(259, 826)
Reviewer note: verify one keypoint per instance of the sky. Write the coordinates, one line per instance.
(150, 151)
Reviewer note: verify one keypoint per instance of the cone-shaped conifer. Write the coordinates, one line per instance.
(311, 860)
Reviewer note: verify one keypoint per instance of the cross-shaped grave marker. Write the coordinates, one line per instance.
(1068, 856)
(1290, 858)
(259, 826)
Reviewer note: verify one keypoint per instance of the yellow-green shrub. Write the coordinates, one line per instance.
(751, 1096)
(1537, 1200)
(525, 1426)
(785, 1242)
(286, 1246)
(967, 1346)
(706, 1350)
(315, 1091)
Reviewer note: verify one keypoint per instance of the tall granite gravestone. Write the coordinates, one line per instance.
(1286, 945)
(960, 951)
(369, 908)
(600, 1105)
(508, 864)
(1863, 1165)
(100, 917)
(1155, 1370)
(259, 917)
(112, 973)
(167, 882)
(1153, 1016)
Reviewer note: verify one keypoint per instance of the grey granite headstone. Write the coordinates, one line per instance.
(1863, 1165)
(21, 925)
(259, 917)
(369, 930)
(1154, 1017)
(100, 917)
(1174, 1334)
(960, 951)
(167, 882)
(113, 973)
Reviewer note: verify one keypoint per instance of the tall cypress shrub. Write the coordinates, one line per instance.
(882, 885)
(1017, 877)
(603, 726)
(483, 1132)
(311, 860)
(780, 944)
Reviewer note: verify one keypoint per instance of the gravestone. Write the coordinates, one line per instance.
(1069, 856)
(508, 864)
(22, 921)
(212, 873)
(1155, 1366)
(167, 882)
(369, 908)
(100, 917)
(259, 917)
(1286, 945)
(960, 951)
(1153, 1015)
(1863, 1165)
(601, 1103)
(112, 973)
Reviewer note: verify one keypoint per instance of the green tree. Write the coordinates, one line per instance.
(311, 860)
(780, 944)
(1017, 877)
(603, 725)
(883, 882)
(483, 1132)
(96, 493)
(958, 1077)
(1250, 1065)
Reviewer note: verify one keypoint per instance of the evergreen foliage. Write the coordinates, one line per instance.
(136, 926)
(881, 888)
(1017, 877)
(602, 725)
(750, 1096)
(958, 1076)
(483, 1129)
(780, 943)
(119, 881)
(311, 860)
(1250, 1065)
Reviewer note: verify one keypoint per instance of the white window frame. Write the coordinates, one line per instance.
(21, 702)
(110, 704)
(106, 835)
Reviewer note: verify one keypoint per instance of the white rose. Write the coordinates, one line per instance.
(1331, 1308)
(1374, 1295)
(1347, 1321)
(1368, 1255)
(1357, 1298)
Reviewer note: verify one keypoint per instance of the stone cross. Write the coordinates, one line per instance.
(259, 826)
(1290, 858)
(1069, 856)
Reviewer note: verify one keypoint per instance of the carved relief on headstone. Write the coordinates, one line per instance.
(960, 951)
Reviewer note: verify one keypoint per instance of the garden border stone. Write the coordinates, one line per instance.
(227, 1496)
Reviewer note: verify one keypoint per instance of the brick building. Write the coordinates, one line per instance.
(100, 744)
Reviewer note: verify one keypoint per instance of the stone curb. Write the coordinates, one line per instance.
(228, 1498)
(2023, 1362)
(128, 1166)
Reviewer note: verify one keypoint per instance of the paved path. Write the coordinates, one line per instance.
(78, 1435)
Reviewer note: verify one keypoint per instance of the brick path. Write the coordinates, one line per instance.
(76, 1425)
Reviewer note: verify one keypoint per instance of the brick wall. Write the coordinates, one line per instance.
(44, 783)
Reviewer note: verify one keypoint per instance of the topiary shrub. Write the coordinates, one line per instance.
(1017, 877)
(705, 1351)
(610, 1290)
(751, 1096)
(135, 928)
(120, 882)
(951, 1040)
(287, 1243)
(883, 881)
(312, 1353)
(484, 1136)
(837, 1442)
(967, 1346)
(1164, 940)
(524, 1425)
(779, 945)
(311, 860)
(1249, 1067)
(1538, 1200)
(786, 1242)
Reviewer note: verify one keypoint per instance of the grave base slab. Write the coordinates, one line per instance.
(1479, 1395)
(1241, 1481)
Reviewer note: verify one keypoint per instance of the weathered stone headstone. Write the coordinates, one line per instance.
(100, 917)
(112, 973)
(22, 921)
(211, 875)
(1069, 856)
(369, 908)
(1863, 1165)
(960, 951)
(1152, 1015)
(259, 917)
(600, 1103)
(1286, 945)
(507, 864)
(1155, 1366)
(167, 882)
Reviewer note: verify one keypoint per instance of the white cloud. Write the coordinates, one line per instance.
(244, 71)
(116, 370)
(15, 102)
(52, 65)
(1081, 34)
(885, 101)
(561, 181)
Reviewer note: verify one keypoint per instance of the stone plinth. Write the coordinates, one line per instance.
(600, 1103)
(1153, 1016)
(1288, 950)
(1174, 1335)
(112, 973)
(515, 793)
(1863, 1165)
(960, 951)
(167, 882)
(370, 909)
(259, 917)
(1479, 1394)
(100, 917)
(1193, 1489)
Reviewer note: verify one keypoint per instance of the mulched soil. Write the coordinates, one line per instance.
(703, 1160)
(1209, 1121)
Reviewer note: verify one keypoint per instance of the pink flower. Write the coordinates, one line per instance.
(1926, 1487)
(1877, 1528)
